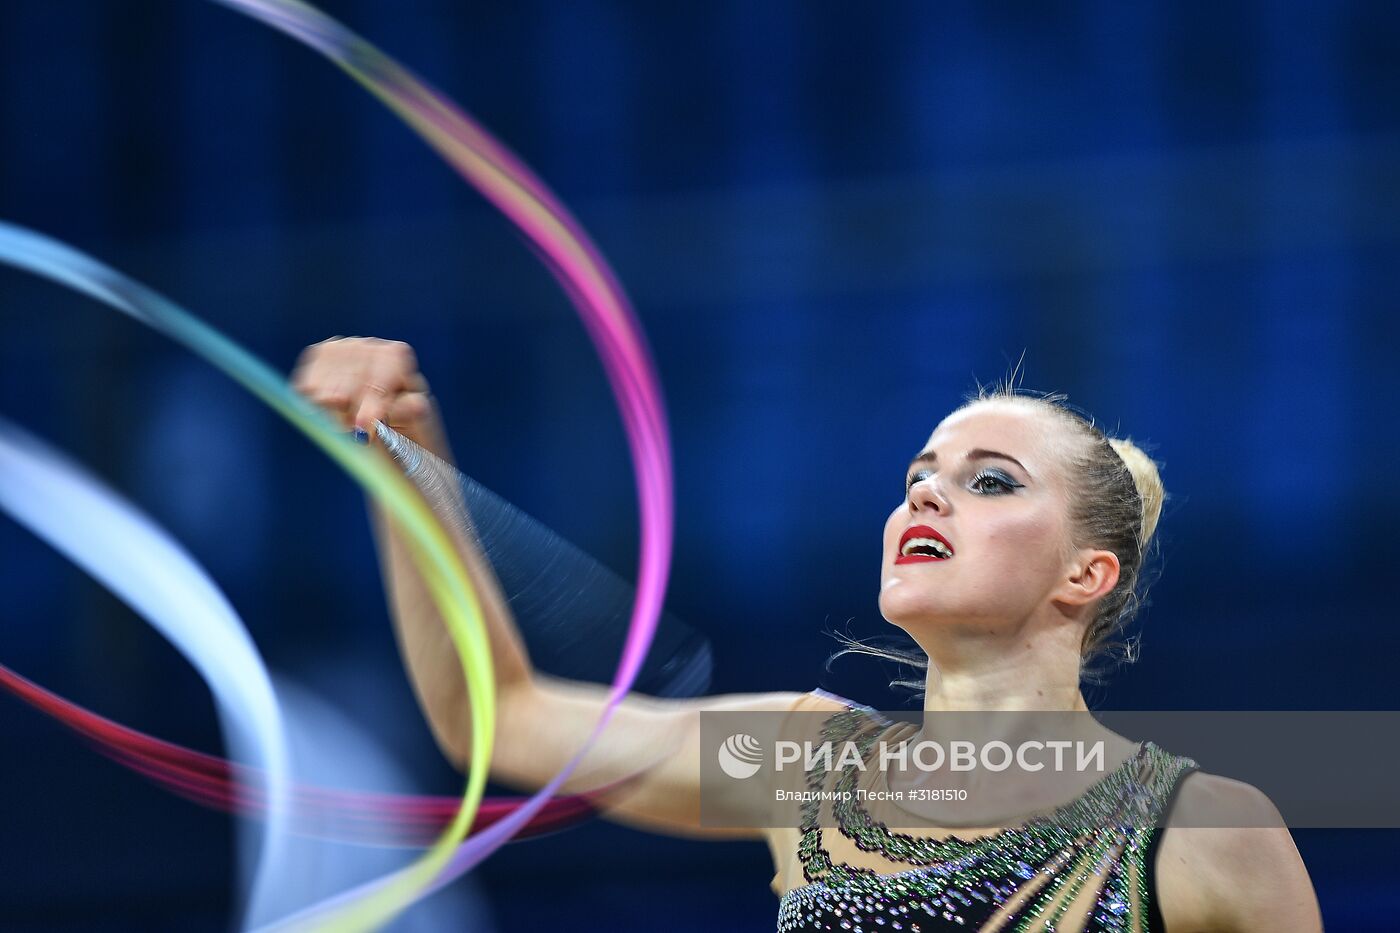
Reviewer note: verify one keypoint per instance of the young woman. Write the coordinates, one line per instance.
(1014, 555)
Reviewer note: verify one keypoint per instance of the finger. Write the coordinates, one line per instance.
(373, 406)
(386, 375)
(407, 410)
(308, 371)
(312, 363)
(342, 390)
(391, 365)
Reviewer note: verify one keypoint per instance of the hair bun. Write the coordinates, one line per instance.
(1147, 480)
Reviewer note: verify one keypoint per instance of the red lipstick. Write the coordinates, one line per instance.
(921, 531)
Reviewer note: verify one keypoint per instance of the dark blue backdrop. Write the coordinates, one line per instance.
(832, 222)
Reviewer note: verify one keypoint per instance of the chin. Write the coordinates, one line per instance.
(906, 608)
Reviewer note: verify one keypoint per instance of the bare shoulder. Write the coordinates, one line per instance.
(1227, 862)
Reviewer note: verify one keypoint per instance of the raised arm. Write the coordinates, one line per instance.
(542, 720)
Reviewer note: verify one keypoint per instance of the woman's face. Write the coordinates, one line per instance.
(982, 537)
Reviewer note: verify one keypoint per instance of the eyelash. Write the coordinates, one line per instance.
(1006, 483)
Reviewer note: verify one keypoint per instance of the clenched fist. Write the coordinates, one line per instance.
(361, 380)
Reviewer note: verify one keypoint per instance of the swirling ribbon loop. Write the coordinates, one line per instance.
(607, 316)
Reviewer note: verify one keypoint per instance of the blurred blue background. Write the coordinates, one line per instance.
(832, 223)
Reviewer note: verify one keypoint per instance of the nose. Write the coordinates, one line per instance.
(925, 496)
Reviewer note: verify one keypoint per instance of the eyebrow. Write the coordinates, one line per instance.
(977, 453)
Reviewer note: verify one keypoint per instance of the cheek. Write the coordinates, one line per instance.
(1031, 541)
(894, 527)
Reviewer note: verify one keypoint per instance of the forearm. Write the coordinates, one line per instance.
(430, 656)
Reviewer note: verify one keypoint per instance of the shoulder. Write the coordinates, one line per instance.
(823, 701)
(815, 720)
(1227, 861)
(1204, 797)
(812, 715)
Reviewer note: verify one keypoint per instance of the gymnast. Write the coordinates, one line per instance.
(1012, 560)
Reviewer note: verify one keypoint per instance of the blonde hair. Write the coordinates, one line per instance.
(1116, 498)
(1146, 478)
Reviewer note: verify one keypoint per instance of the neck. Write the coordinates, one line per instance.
(1031, 666)
(1026, 672)
(1003, 683)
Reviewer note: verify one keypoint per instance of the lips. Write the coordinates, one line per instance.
(921, 544)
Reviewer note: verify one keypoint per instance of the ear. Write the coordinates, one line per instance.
(1093, 575)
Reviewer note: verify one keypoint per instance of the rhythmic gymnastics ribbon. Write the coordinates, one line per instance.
(603, 308)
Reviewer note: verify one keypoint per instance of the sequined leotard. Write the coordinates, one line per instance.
(1085, 868)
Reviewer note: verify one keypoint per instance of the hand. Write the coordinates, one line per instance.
(361, 380)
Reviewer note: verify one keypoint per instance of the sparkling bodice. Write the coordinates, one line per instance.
(1084, 868)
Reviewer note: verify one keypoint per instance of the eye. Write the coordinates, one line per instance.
(918, 476)
(992, 483)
